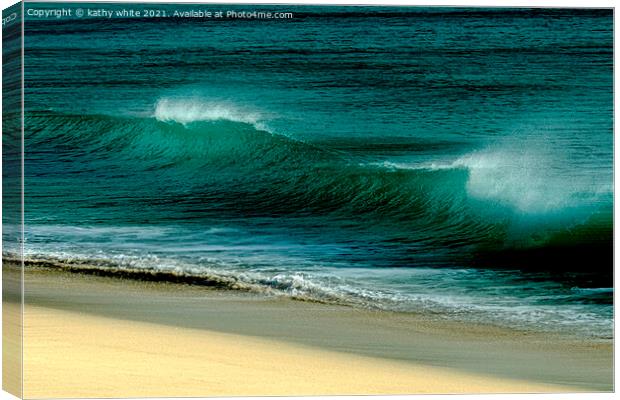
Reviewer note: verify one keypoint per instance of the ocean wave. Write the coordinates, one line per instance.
(500, 204)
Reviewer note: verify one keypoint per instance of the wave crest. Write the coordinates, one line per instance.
(185, 111)
(531, 180)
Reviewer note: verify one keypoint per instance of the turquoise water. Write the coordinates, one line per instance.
(453, 162)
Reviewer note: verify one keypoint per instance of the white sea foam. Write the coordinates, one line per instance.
(529, 179)
(188, 110)
(532, 178)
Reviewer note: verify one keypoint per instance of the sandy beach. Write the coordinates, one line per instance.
(90, 336)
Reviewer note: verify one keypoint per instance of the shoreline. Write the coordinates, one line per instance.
(422, 356)
(237, 282)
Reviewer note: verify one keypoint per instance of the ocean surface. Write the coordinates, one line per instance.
(456, 163)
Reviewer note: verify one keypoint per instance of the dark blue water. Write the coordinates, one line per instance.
(454, 162)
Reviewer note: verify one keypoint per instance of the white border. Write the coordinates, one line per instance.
(463, 3)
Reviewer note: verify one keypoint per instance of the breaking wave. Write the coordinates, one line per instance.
(495, 207)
